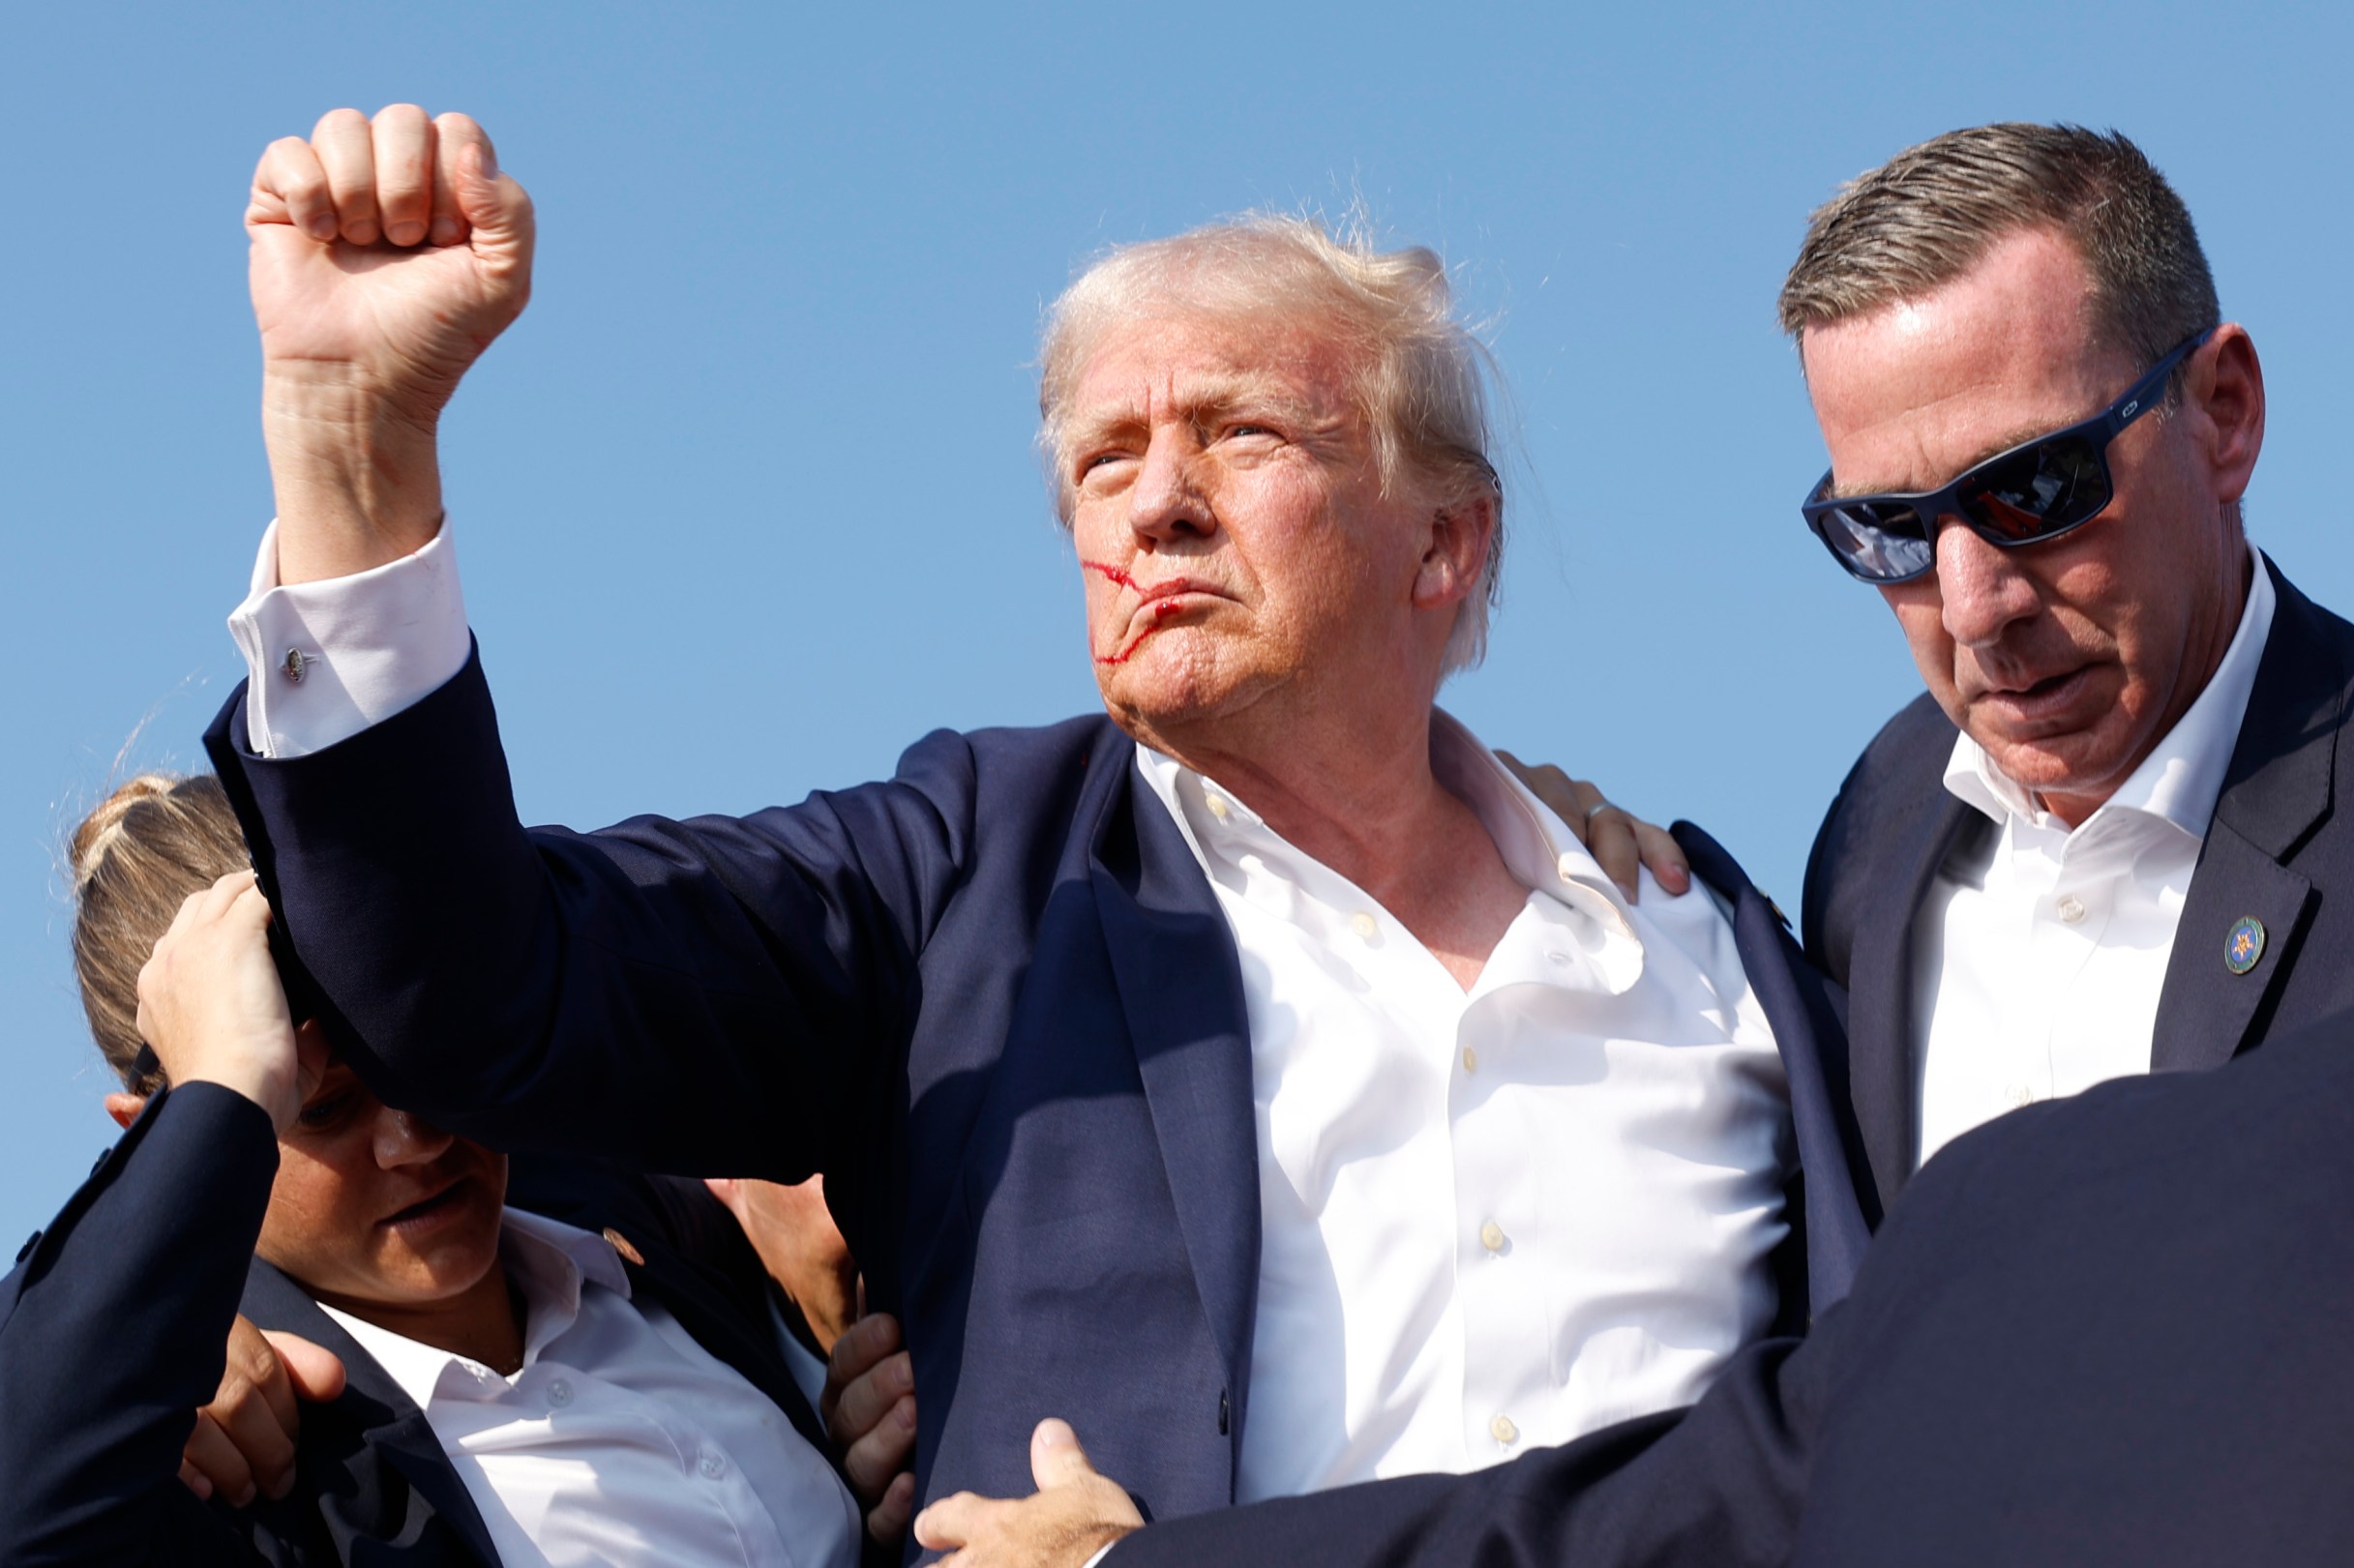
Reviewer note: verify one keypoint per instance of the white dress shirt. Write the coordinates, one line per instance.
(1492, 1219)
(2039, 952)
(1496, 1219)
(621, 1440)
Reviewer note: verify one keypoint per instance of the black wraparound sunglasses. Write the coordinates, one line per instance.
(2037, 491)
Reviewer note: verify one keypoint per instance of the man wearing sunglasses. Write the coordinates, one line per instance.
(2040, 436)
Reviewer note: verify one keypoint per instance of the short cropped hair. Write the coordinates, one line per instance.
(136, 859)
(1420, 375)
(1929, 214)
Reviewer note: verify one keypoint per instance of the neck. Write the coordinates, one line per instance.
(484, 1322)
(1355, 790)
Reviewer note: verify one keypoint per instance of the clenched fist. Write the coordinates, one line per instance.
(387, 254)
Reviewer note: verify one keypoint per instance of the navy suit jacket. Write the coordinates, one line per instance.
(113, 1322)
(2276, 850)
(2103, 1331)
(992, 999)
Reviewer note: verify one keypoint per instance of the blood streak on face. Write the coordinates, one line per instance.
(1160, 612)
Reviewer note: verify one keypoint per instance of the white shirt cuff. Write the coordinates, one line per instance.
(1101, 1553)
(327, 660)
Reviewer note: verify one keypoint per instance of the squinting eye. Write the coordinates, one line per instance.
(319, 1114)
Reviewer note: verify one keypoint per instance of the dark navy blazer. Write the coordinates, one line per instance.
(2276, 850)
(112, 1328)
(2106, 1332)
(992, 999)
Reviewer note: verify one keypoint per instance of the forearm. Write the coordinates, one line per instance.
(356, 473)
(113, 1330)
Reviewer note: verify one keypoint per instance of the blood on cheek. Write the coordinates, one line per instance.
(1160, 612)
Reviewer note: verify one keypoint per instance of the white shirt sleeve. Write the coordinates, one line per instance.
(327, 660)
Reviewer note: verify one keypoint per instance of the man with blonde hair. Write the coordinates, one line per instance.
(1257, 1074)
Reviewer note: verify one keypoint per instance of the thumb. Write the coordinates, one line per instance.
(494, 206)
(316, 1371)
(1056, 1459)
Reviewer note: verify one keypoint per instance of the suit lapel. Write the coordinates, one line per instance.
(1180, 988)
(1880, 996)
(391, 1433)
(2277, 788)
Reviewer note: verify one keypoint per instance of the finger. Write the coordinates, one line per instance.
(316, 1373)
(248, 910)
(255, 1368)
(223, 896)
(495, 208)
(866, 1400)
(861, 1349)
(402, 145)
(261, 1439)
(1610, 839)
(1664, 857)
(952, 1522)
(220, 1461)
(1056, 1459)
(290, 186)
(451, 133)
(883, 1453)
(198, 1482)
(887, 1520)
(347, 151)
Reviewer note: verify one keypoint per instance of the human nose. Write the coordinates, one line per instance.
(402, 1139)
(1166, 502)
(1981, 588)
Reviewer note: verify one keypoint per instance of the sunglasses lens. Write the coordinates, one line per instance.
(2048, 488)
(1877, 540)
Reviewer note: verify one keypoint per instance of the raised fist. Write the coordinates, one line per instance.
(386, 256)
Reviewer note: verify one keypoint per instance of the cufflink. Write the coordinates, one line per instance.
(294, 664)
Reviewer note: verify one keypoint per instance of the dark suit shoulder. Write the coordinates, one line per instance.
(2135, 1290)
(1897, 777)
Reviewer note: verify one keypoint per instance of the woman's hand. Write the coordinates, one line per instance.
(210, 1006)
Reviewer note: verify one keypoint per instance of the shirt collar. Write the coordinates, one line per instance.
(2179, 780)
(548, 1260)
(1537, 847)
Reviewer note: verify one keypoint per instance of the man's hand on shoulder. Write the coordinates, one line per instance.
(1074, 1514)
(386, 256)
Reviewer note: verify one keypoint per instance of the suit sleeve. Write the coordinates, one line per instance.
(719, 996)
(112, 1334)
(1721, 1486)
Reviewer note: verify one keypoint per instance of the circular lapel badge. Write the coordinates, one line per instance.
(2245, 946)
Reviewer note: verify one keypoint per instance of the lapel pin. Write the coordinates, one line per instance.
(2245, 946)
(621, 1244)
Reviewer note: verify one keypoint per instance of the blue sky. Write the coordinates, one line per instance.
(747, 501)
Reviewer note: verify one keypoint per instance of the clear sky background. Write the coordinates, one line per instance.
(747, 503)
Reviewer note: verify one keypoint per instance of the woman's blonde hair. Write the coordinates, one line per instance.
(136, 859)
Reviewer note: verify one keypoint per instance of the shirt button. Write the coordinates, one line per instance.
(1471, 1060)
(1502, 1430)
(712, 1465)
(2020, 1094)
(2072, 909)
(559, 1393)
(1493, 1238)
(1218, 806)
(1364, 925)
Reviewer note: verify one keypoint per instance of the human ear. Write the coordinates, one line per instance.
(1456, 552)
(125, 1107)
(2227, 384)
